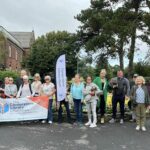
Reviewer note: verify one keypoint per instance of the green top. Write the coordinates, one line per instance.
(98, 82)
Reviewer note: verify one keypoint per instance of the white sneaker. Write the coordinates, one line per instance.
(43, 121)
(121, 121)
(102, 120)
(137, 128)
(112, 120)
(88, 123)
(93, 125)
(143, 128)
(50, 122)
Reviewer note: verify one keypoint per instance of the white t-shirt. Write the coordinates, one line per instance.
(36, 86)
(48, 88)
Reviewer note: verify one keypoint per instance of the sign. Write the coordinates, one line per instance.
(22, 109)
(61, 77)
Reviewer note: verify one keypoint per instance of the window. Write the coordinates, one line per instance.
(10, 53)
(16, 55)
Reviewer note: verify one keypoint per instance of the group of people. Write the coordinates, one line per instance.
(91, 91)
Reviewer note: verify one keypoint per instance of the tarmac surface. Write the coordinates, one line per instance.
(37, 136)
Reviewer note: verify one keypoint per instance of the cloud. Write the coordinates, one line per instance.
(41, 15)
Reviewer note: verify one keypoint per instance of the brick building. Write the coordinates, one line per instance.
(13, 47)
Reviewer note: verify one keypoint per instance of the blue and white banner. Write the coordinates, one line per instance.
(22, 109)
(61, 77)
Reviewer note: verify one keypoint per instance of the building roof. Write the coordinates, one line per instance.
(25, 38)
(10, 37)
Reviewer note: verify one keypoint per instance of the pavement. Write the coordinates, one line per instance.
(37, 136)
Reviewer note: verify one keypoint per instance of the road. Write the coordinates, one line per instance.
(37, 136)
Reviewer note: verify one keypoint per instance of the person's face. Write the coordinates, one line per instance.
(88, 80)
(36, 78)
(134, 78)
(77, 78)
(139, 82)
(25, 81)
(11, 81)
(6, 80)
(120, 74)
(47, 80)
(102, 74)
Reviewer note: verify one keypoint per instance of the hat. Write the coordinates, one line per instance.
(135, 75)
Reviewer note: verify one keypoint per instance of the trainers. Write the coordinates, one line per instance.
(93, 125)
(43, 121)
(50, 122)
(112, 120)
(121, 121)
(88, 123)
(137, 128)
(143, 128)
(102, 120)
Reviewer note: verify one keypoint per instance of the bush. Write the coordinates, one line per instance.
(4, 74)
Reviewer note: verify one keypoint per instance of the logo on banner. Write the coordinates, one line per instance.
(4, 108)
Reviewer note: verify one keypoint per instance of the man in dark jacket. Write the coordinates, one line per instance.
(121, 89)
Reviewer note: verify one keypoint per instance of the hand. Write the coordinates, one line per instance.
(148, 107)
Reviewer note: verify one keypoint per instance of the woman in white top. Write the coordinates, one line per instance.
(11, 89)
(48, 89)
(36, 85)
(25, 89)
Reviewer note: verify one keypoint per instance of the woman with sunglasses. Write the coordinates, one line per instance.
(48, 89)
(36, 85)
(11, 89)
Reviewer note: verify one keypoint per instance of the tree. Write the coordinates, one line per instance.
(46, 49)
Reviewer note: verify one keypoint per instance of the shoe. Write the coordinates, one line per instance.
(88, 123)
(50, 122)
(112, 120)
(43, 121)
(93, 125)
(143, 128)
(137, 128)
(121, 121)
(102, 120)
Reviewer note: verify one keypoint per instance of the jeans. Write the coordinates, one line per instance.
(102, 105)
(50, 112)
(78, 109)
(115, 100)
(66, 104)
(91, 107)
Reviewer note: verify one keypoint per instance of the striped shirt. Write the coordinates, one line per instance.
(140, 95)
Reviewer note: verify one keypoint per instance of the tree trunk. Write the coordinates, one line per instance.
(121, 55)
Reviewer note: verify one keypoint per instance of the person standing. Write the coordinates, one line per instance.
(121, 89)
(25, 89)
(19, 81)
(11, 89)
(90, 92)
(77, 95)
(48, 89)
(141, 100)
(36, 85)
(102, 83)
(130, 103)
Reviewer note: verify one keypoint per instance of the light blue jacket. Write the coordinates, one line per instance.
(77, 91)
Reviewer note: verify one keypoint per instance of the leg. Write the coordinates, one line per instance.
(93, 106)
(143, 115)
(122, 101)
(76, 109)
(60, 112)
(80, 111)
(50, 113)
(138, 114)
(102, 106)
(67, 110)
(88, 106)
(114, 106)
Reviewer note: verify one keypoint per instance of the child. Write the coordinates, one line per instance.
(141, 100)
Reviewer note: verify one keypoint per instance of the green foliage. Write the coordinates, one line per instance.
(47, 48)
(4, 74)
